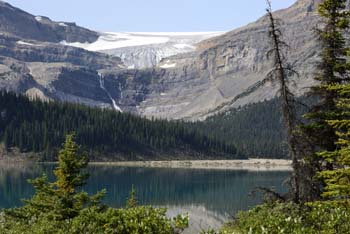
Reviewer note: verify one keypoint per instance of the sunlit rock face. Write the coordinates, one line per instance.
(165, 75)
(24, 25)
(52, 71)
(225, 71)
(32, 60)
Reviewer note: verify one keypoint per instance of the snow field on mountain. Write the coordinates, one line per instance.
(112, 40)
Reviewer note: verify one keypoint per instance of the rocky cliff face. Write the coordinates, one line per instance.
(24, 25)
(223, 72)
(31, 63)
(226, 71)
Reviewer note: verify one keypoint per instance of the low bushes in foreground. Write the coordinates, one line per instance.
(290, 218)
(138, 220)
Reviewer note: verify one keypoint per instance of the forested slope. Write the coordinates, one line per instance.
(36, 126)
(256, 129)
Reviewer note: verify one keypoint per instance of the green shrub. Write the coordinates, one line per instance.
(138, 220)
(289, 218)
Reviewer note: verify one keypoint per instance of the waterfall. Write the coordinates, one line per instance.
(102, 86)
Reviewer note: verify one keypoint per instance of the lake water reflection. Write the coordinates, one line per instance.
(209, 196)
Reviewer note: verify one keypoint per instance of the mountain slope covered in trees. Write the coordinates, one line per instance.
(40, 127)
(255, 129)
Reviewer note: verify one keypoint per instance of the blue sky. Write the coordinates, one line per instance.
(152, 15)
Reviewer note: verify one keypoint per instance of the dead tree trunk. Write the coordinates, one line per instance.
(280, 73)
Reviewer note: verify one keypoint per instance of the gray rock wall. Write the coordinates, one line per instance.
(224, 72)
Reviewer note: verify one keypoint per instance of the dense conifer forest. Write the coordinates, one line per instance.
(40, 127)
(255, 129)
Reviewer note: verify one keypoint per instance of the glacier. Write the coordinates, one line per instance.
(145, 49)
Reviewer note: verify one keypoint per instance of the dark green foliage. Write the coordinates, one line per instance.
(132, 201)
(35, 126)
(60, 200)
(70, 164)
(333, 69)
(256, 129)
(58, 207)
(337, 180)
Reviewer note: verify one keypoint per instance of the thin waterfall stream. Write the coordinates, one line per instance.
(102, 85)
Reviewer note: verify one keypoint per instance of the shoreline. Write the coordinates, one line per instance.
(249, 164)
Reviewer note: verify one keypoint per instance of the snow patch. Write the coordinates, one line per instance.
(168, 65)
(38, 18)
(110, 41)
(181, 33)
(113, 40)
(25, 43)
(63, 24)
(75, 44)
(184, 46)
(145, 49)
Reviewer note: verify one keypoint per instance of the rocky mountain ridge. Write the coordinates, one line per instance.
(19, 23)
(224, 72)
(32, 61)
(229, 71)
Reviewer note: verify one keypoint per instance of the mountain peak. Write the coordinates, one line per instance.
(15, 21)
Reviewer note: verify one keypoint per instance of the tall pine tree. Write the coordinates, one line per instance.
(62, 199)
(337, 180)
(333, 69)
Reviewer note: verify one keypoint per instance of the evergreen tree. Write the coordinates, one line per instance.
(132, 201)
(60, 200)
(333, 69)
(338, 180)
(70, 164)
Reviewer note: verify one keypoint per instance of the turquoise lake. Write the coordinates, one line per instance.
(210, 197)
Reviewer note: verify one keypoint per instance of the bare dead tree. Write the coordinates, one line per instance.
(280, 73)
